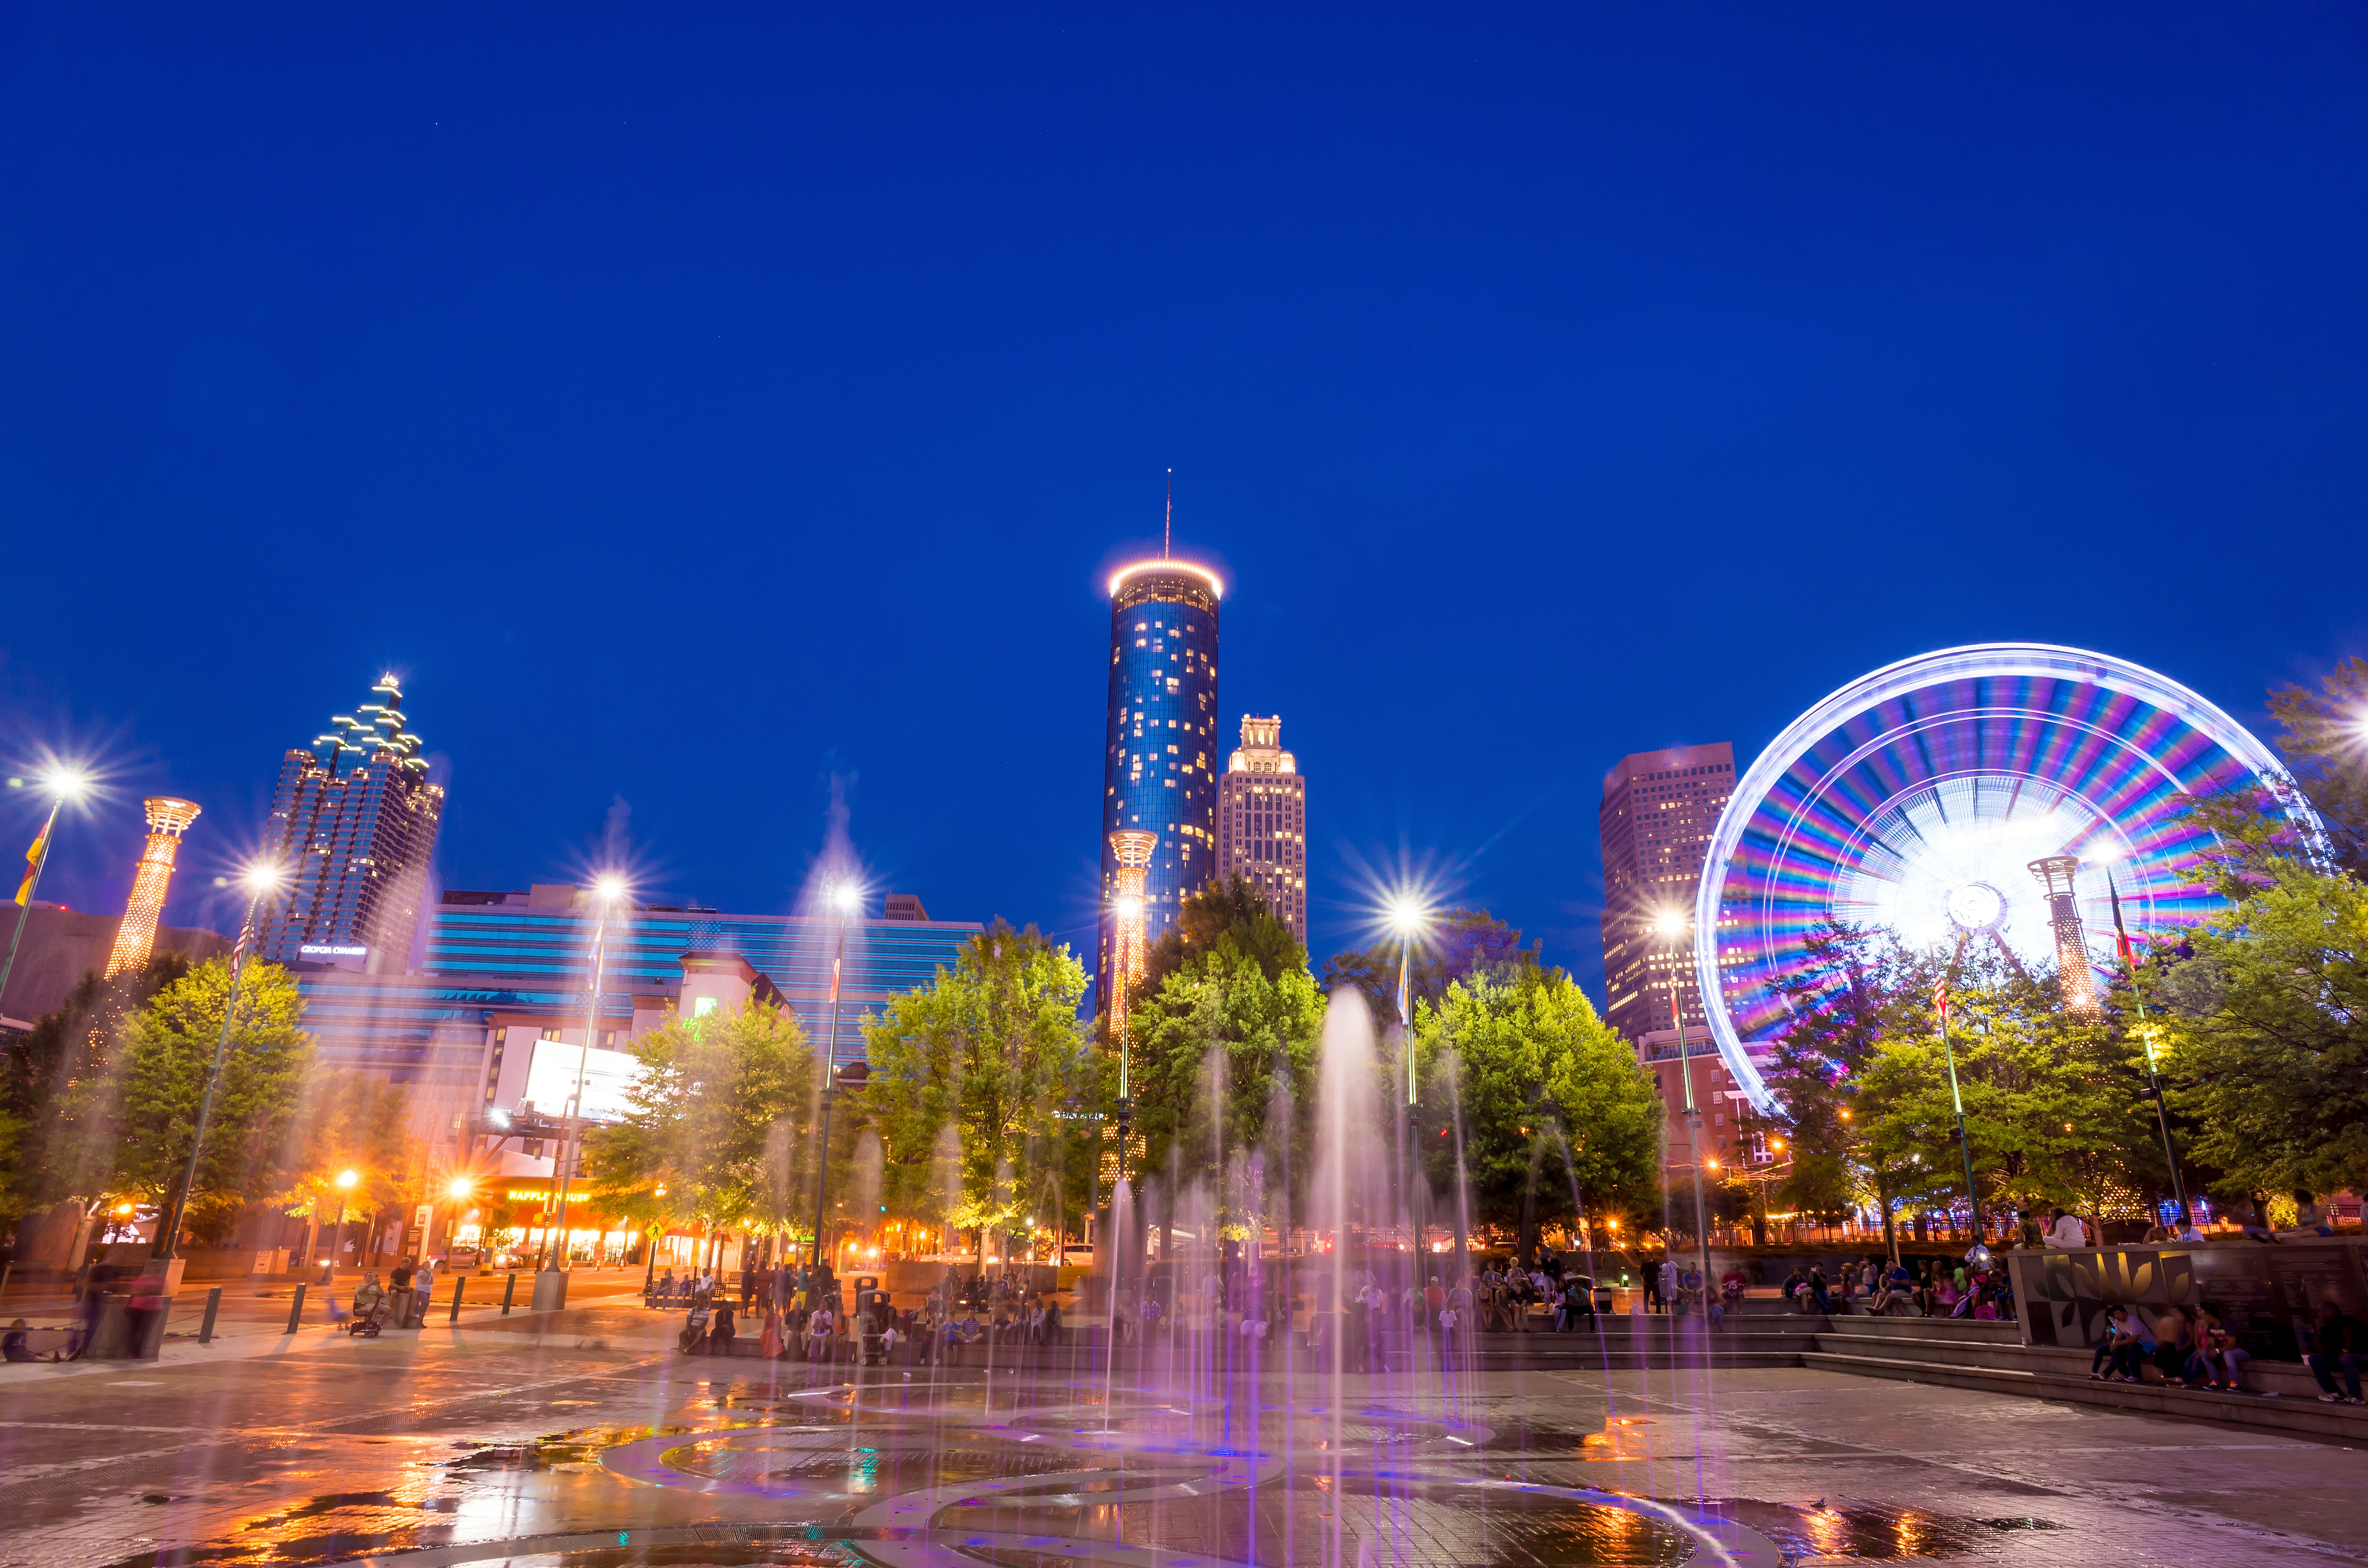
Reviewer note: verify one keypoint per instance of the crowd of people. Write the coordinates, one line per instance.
(2192, 1348)
(803, 1314)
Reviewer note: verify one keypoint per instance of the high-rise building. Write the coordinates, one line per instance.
(1658, 813)
(135, 938)
(1659, 808)
(354, 821)
(1157, 772)
(1262, 821)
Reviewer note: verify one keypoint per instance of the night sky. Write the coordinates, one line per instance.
(698, 406)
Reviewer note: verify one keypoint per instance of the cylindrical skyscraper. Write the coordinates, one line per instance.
(135, 938)
(1159, 768)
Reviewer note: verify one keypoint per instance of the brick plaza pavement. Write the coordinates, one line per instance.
(544, 1436)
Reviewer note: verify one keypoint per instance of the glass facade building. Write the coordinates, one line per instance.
(1158, 766)
(354, 821)
(513, 945)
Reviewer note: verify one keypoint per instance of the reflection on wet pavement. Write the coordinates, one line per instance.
(517, 1450)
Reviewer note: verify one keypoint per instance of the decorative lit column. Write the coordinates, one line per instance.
(135, 938)
(2055, 873)
(1133, 847)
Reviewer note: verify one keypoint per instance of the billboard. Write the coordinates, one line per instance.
(608, 1077)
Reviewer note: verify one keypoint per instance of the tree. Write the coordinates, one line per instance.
(251, 1143)
(2323, 738)
(993, 1051)
(350, 1121)
(1224, 1047)
(712, 1123)
(1548, 1096)
(1461, 944)
(2264, 1028)
(56, 1134)
(1234, 911)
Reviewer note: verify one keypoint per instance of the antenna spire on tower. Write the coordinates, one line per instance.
(1167, 531)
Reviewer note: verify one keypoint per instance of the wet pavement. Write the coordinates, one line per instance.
(581, 1439)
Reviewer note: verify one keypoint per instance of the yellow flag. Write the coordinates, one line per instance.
(32, 866)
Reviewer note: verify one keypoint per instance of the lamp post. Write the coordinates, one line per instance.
(1408, 918)
(844, 898)
(1673, 926)
(606, 890)
(345, 1180)
(1964, 1146)
(63, 786)
(2145, 1037)
(259, 879)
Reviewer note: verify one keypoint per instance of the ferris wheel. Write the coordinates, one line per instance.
(1999, 794)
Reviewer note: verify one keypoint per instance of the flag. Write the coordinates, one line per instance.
(32, 866)
(2121, 932)
(1940, 999)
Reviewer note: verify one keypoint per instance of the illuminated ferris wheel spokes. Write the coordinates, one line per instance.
(1974, 795)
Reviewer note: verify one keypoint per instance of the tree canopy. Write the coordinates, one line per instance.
(252, 1144)
(987, 1092)
(713, 1125)
(1548, 1095)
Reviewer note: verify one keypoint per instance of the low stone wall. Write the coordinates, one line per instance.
(2262, 1291)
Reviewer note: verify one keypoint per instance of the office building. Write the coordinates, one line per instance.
(1656, 820)
(135, 934)
(1158, 768)
(354, 821)
(504, 969)
(61, 945)
(1658, 811)
(1262, 821)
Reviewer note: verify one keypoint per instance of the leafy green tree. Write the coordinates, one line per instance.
(2264, 1028)
(992, 1049)
(1234, 912)
(57, 1108)
(722, 1100)
(2321, 735)
(252, 1142)
(1224, 1047)
(1546, 1093)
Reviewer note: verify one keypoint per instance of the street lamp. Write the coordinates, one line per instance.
(845, 897)
(606, 890)
(345, 1180)
(260, 880)
(64, 784)
(1672, 924)
(1408, 919)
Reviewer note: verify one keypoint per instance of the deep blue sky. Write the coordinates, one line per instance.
(695, 404)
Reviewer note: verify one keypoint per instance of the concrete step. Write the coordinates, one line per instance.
(2298, 1416)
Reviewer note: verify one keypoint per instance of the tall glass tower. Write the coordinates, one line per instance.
(1159, 768)
(354, 821)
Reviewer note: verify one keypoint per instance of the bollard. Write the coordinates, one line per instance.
(213, 1305)
(509, 1291)
(458, 1286)
(296, 1307)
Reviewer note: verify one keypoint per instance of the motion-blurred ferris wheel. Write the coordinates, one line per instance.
(1974, 795)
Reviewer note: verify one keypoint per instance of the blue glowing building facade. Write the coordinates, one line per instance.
(1159, 768)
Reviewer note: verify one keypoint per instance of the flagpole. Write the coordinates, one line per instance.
(1965, 1144)
(2145, 1037)
(40, 859)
